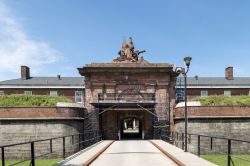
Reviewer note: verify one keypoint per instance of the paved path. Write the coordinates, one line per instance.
(132, 153)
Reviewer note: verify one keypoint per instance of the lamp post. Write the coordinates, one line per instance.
(187, 61)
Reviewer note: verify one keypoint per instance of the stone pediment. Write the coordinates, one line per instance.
(129, 65)
(126, 67)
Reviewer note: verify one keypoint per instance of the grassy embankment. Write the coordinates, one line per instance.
(39, 162)
(30, 100)
(221, 160)
(224, 100)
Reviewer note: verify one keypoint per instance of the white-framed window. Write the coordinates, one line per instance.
(227, 93)
(78, 97)
(204, 93)
(1, 93)
(28, 92)
(53, 93)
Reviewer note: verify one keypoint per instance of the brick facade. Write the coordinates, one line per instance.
(116, 79)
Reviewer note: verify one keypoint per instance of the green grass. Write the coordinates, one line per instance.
(45, 162)
(225, 100)
(221, 160)
(30, 100)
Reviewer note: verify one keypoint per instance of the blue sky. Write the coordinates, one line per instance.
(57, 36)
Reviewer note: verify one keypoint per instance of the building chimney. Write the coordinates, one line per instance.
(229, 73)
(59, 77)
(25, 72)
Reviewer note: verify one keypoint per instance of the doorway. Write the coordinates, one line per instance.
(131, 128)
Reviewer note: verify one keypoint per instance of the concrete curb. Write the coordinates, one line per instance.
(178, 162)
(88, 162)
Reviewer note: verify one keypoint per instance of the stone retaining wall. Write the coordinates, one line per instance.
(228, 122)
(20, 124)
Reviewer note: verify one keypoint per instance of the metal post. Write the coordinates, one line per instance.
(182, 140)
(211, 143)
(229, 153)
(50, 142)
(101, 136)
(3, 158)
(79, 137)
(160, 134)
(186, 120)
(83, 143)
(64, 152)
(32, 154)
(199, 145)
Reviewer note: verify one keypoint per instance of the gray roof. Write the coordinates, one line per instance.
(45, 81)
(217, 81)
(79, 81)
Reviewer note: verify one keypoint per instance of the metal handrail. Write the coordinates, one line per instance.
(118, 96)
(32, 144)
(180, 136)
(232, 139)
(47, 139)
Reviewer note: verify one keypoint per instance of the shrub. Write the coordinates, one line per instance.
(225, 100)
(31, 100)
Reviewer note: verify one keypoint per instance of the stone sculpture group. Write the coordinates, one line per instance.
(128, 53)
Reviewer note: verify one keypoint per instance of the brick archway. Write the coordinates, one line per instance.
(131, 128)
(140, 115)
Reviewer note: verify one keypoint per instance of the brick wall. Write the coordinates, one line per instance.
(208, 111)
(40, 112)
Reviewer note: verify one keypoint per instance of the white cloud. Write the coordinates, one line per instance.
(17, 48)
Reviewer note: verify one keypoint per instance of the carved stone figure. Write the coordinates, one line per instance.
(127, 52)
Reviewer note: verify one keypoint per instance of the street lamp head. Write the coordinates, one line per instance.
(187, 60)
(179, 70)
